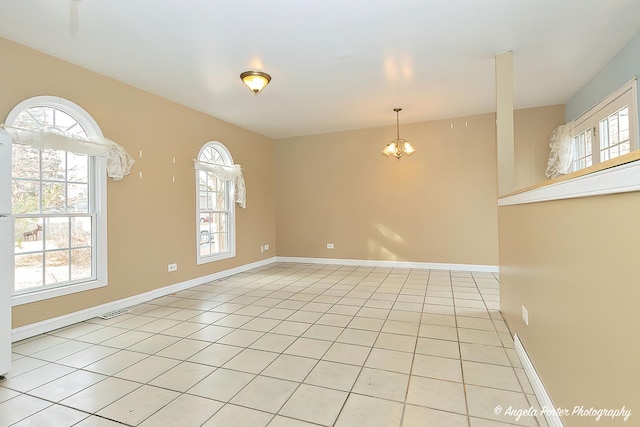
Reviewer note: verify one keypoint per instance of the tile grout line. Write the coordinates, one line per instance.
(242, 288)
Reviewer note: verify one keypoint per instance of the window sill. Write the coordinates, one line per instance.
(44, 294)
(213, 258)
(620, 175)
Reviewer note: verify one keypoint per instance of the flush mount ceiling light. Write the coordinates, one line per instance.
(398, 147)
(255, 80)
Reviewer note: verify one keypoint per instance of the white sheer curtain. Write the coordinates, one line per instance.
(227, 173)
(119, 162)
(561, 156)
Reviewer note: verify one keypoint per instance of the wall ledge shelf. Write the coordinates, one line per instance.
(621, 178)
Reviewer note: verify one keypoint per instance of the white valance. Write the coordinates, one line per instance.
(561, 155)
(119, 162)
(227, 173)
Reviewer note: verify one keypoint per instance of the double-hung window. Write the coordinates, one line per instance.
(58, 205)
(608, 130)
(215, 208)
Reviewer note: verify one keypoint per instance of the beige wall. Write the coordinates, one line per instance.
(533, 128)
(439, 205)
(574, 265)
(151, 221)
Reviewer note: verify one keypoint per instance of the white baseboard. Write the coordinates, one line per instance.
(49, 325)
(399, 264)
(553, 419)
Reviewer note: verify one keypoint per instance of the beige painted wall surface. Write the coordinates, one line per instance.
(533, 128)
(151, 221)
(574, 265)
(438, 206)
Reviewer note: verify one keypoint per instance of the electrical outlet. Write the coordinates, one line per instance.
(525, 315)
(172, 267)
(329, 245)
(261, 248)
(266, 247)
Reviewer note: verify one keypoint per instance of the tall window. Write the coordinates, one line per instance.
(216, 211)
(58, 204)
(608, 130)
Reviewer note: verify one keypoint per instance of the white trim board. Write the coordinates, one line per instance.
(49, 325)
(619, 179)
(553, 419)
(398, 264)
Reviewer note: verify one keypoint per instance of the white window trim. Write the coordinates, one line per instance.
(224, 151)
(591, 118)
(99, 186)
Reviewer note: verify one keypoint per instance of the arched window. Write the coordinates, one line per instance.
(58, 204)
(215, 207)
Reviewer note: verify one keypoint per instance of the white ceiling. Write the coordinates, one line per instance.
(336, 64)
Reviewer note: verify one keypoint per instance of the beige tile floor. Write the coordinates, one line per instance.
(283, 345)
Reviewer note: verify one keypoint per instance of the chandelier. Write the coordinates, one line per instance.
(398, 147)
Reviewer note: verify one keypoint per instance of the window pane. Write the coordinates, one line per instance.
(56, 268)
(28, 235)
(615, 151)
(202, 179)
(77, 198)
(211, 155)
(56, 233)
(78, 168)
(81, 264)
(215, 243)
(604, 134)
(624, 124)
(25, 196)
(221, 200)
(224, 241)
(28, 271)
(43, 115)
(202, 201)
(223, 221)
(213, 183)
(52, 197)
(212, 226)
(54, 165)
(63, 121)
(26, 162)
(77, 130)
(205, 236)
(613, 129)
(28, 120)
(588, 142)
(205, 249)
(80, 231)
(625, 148)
